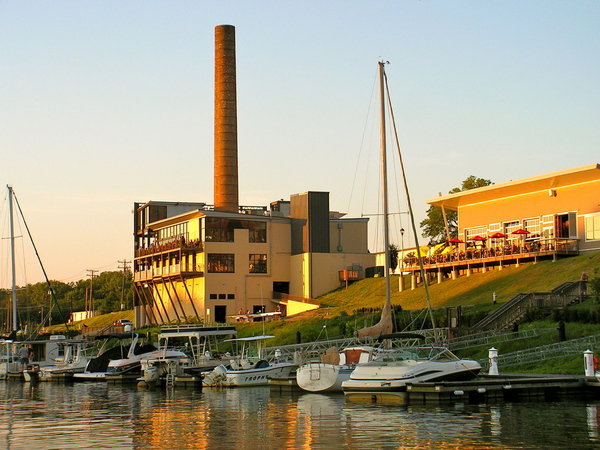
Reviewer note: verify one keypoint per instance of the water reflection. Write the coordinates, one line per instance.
(96, 415)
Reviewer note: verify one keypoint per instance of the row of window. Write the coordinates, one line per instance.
(222, 230)
(546, 227)
(222, 296)
(225, 263)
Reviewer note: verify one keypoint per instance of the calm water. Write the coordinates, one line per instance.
(95, 415)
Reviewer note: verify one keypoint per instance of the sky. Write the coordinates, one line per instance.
(107, 103)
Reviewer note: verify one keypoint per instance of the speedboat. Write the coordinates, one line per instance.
(334, 368)
(243, 371)
(386, 377)
(71, 357)
(119, 360)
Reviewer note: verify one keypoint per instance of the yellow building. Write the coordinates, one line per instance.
(559, 210)
(194, 262)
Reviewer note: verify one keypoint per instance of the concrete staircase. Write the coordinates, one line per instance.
(513, 311)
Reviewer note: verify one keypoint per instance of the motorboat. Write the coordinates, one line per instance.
(70, 357)
(246, 370)
(386, 377)
(121, 359)
(43, 352)
(334, 367)
(199, 345)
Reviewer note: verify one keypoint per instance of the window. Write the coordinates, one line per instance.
(258, 231)
(218, 230)
(220, 263)
(222, 230)
(533, 226)
(213, 296)
(509, 227)
(258, 263)
(476, 231)
(494, 228)
(592, 228)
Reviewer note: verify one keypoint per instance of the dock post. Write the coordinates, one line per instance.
(589, 363)
(493, 357)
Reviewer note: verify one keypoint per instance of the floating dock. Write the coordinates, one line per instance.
(506, 387)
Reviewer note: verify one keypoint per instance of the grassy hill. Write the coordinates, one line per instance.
(340, 309)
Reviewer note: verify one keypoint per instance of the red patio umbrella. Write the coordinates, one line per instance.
(455, 241)
(478, 238)
(498, 235)
(521, 231)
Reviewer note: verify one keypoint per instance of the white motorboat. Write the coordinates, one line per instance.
(122, 359)
(386, 377)
(244, 371)
(333, 369)
(71, 356)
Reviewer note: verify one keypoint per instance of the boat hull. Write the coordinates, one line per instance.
(387, 382)
(320, 377)
(247, 377)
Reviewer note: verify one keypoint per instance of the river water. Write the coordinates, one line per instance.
(101, 416)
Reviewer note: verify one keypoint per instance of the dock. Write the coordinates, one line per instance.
(506, 387)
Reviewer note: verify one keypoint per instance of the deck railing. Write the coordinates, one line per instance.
(514, 249)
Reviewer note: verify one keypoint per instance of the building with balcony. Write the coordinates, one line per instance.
(194, 262)
(546, 216)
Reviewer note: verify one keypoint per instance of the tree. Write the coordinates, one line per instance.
(434, 228)
(393, 256)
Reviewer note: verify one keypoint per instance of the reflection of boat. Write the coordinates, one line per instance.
(334, 368)
(243, 371)
(122, 359)
(199, 347)
(388, 375)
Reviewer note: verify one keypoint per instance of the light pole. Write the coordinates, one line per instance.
(401, 283)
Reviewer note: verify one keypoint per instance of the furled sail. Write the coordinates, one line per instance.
(384, 326)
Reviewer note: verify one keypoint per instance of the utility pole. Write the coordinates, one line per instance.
(91, 274)
(125, 268)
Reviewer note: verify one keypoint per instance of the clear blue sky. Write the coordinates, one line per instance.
(109, 102)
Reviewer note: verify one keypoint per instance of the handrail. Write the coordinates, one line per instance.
(516, 308)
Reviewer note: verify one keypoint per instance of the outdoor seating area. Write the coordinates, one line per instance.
(478, 250)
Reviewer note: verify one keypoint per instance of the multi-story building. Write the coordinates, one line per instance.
(194, 262)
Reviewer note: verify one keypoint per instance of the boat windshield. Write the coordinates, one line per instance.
(419, 354)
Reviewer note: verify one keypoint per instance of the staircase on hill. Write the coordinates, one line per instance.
(513, 311)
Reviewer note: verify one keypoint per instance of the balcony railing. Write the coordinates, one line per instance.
(195, 245)
(508, 251)
(166, 271)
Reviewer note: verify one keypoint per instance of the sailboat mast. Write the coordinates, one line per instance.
(386, 235)
(12, 255)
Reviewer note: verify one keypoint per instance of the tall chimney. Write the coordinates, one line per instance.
(226, 158)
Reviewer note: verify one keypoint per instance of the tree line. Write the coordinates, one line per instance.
(37, 306)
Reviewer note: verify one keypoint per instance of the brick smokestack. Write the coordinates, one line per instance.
(226, 157)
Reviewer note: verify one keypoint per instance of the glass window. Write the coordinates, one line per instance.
(257, 231)
(220, 263)
(475, 231)
(258, 263)
(213, 296)
(592, 228)
(222, 230)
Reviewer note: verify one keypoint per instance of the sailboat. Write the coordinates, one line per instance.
(10, 365)
(385, 378)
